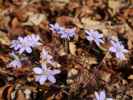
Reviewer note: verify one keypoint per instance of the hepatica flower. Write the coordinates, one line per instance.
(25, 44)
(67, 33)
(16, 63)
(34, 40)
(56, 28)
(118, 49)
(43, 74)
(94, 36)
(101, 96)
(46, 57)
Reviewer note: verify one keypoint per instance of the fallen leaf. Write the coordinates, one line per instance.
(20, 95)
(105, 76)
(92, 24)
(130, 77)
(4, 38)
(72, 48)
(114, 5)
(62, 1)
(35, 19)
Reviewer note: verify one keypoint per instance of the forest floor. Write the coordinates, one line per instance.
(85, 67)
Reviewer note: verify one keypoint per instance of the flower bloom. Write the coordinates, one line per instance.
(118, 49)
(16, 63)
(56, 28)
(94, 36)
(46, 57)
(34, 40)
(67, 33)
(101, 96)
(43, 74)
(25, 44)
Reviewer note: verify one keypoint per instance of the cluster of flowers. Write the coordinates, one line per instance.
(65, 33)
(25, 44)
(43, 73)
(92, 36)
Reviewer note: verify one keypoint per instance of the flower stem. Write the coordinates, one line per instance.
(66, 45)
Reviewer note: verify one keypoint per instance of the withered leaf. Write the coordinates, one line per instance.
(114, 5)
(35, 19)
(72, 48)
(4, 38)
(130, 77)
(105, 76)
(20, 95)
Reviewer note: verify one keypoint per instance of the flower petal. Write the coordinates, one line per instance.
(29, 50)
(97, 96)
(51, 79)
(109, 99)
(102, 95)
(120, 55)
(21, 50)
(112, 49)
(42, 79)
(38, 70)
(55, 71)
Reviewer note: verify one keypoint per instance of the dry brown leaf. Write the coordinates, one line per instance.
(130, 77)
(72, 48)
(4, 38)
(1, 92)
(129, 35)
(114, 5)
(7, 91)
(92, 24)
(64, 20)
(35, 19)
(63, 1)
(14, 23)
(105, 76)
(4, 57)
(20, 95)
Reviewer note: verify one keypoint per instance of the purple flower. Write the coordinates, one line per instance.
(16, 63)
(56, 28)
(25, 44)
(34, 40)
(43, 74)
(67, 33)
(101, 96)
(46, 57)
(94, 36)
(118, 49)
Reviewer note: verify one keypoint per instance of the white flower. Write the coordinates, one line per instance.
(101, 96)
(43, 74)
(67, 33)
(46, 57)
(25, 44)
(94, 36)
(16, 63)
(56, 28)
(118, 49)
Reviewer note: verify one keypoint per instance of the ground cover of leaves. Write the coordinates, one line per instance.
(84, 67)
